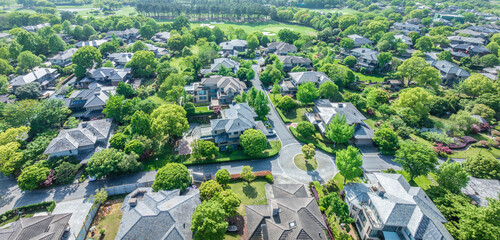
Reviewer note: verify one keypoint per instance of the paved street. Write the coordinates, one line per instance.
(281, 165)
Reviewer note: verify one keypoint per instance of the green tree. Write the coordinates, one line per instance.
(332, 203)
(87, 31)
(65, 172)
(56, 44)
(175, 43)
(172, 176)
(306, 129)
(384, 58)
(209, 189)
(190, 108)
(261, 104)
(4, 84)
(416, 69)
(489, 60)
(247, 175)
(276, 90)
(309, 151)
(140, 123)
(376, 97)
(349, 162)
(493, 47)
(222, 176)
(254, 142)
(307, 92)
(347, 21)
(208, 221)
(350, 61)
(452, 176)
(118, 141)
(328, 90)
(85, 58)
(445, 55)
(147, 31)
(31, 90)
(483, 166)
(139, 46)
(483, 111)
(5, 67)
(4, 53)
(108, 47)
(134, 146)
(10, 158)
(288, 36)
(229, 201)
(252, 42)
(202, 149)
(169, 119)
(125, 89)
(347, 43)
(50, 113)
(477, 85)
(271, 75)
(143, 63)
(462, 121)
(338, 130)
(386, 139)
(416, 159)
(113, 108)
(416, 99)
(107, 162)
(286, 103)
(31, 176)
(28, 60)
(424, 44)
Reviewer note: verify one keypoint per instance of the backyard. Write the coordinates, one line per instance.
(108, 219)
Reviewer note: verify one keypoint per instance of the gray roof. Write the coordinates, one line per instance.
(294, 60)
(228, 84)
(64, 55)
(471, 40)
(94, 97)
(360, 40)
(404, 38)
(93, 43)
(218, 62)
(34, 28)
(121, 58)
(237, 118)
(480, 189)
(446, 67)
(124, 33)
(157, 215)
(35, 75)
(328, 110)
(109, 73)
(365, 53)
(396, 203)
(302, 77)
(50, 227)
(86, 134)
(230, 45)
(4, 35)
(282, 47)
(290, 214)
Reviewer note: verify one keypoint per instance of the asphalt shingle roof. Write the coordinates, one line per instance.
(50, 227)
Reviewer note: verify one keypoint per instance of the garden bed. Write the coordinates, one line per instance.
(26, 211)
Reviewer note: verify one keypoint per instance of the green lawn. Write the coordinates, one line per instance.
(318, 141)
(273, 148)
(300, 162)
(272, 27)
(473, 151)
(369, 78)
(203, 110)
(339, 179)
(295, 115)
(253, 194)
(423, 182)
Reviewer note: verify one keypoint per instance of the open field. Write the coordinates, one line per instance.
(272, 27)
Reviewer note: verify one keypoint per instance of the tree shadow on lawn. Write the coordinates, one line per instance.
(249, 191)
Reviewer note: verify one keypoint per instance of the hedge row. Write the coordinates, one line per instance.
(257, 174)
(49, 206)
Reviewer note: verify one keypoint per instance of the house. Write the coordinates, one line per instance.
(455, 40)
(290, 213)
(360, 40)
(63, 59)
(80, 141)
(65, 37)
(484, 29)
(107, 76)
(51, 226)
(217, 90)
(405, 27)
(127, 34)
(226, 130)
(367, 58)
(325, 111)
(161, 37)
(289, 62)
(44, 76)
(470, 50)
(450, 72)
(233, 47)
(92, 101)
(280, 48)
(387, 207)
(394, 84)
(404, 39)
(120, 59)
(449, 17)
(472, 33)
(227, 63)
(297, 78)
(162, 215)
(158, 51)
(93, 43)
(34, 28)
(5, 36)
(481, 189)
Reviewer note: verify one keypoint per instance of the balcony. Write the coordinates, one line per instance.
(372, 217)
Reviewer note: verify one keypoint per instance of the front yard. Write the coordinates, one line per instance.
(318, 141)
(108, 219)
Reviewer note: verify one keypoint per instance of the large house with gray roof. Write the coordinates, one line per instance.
(92, 43)
(162, 215)
(280, 48)
(233, 47)
(289, 62)
(217, 90)
(91, 101)
(106, 76)
(290, 85)
(44, 76)
(49, 227)
(127, 34)
(360, 40)
(227, 63)
(405, 27)
(120, 59)
(161, 37)
(226, 130)
(466, 40)
(325, 111)
(290, 213)
(366, 58)
(63, 59)
(82, 141)
(450, 72)
(387, 207)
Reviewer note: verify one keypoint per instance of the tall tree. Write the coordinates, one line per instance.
(349, 162)
(85, 58)
(416, 159)
(208, 221)
(172, 176)
(339, 131)
(307, 92)
(452, 176)
(27, 60)
(169, 120)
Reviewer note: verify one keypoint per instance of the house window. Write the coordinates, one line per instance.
(203, 98)
(202, 92)
(213, 90)
(70, 151)
(362, 217)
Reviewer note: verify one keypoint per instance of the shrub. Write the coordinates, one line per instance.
(306, 129)
(482, 166)
(269, 178)
(332, 186)
(495, 133)
(442, 150)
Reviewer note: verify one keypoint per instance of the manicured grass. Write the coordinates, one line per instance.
(273, 149)
(157, 100)
(473, 151)
(109, 220)
(423, 182)
(272, 27)
(295, 115)
(300, 162)
(203, 110)
(421, 140)
(231, 236)
(318, 141)
(249, 194)
(369, 78)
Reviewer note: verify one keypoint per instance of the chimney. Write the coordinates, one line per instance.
(341, 105)
(132, 202)
(84, 125)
